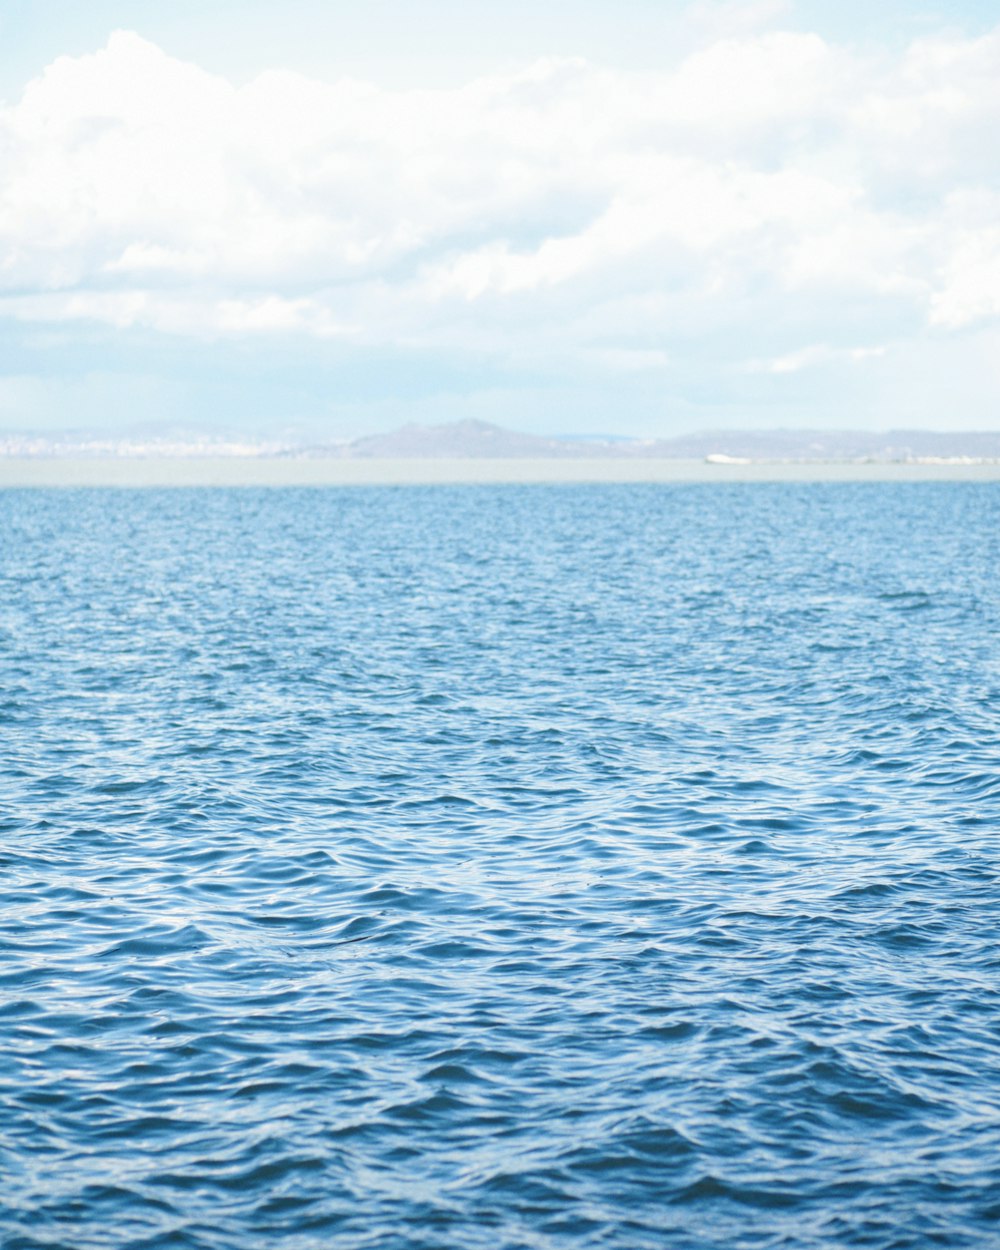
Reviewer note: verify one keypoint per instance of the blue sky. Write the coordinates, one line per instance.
(423, 42)
(645, 218)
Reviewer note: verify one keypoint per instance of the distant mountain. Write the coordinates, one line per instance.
(834, 445)
(463, 440)
(478, 440)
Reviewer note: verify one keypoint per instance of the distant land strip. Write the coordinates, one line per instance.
(481, 440)
(317, 471)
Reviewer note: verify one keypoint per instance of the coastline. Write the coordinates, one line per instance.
(262, 471)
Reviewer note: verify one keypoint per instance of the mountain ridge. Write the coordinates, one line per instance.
(473, 439)
(477, 440)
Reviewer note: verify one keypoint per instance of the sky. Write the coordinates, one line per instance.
(652, 218)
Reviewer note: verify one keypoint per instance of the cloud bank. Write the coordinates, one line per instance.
(771, 205)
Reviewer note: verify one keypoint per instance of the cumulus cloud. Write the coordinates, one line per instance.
(769, 192)
(816, 354)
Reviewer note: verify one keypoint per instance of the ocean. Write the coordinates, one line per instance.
(473, 867)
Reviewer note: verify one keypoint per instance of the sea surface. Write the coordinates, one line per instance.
(487, 867)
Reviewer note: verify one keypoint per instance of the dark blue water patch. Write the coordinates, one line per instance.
(500, 867)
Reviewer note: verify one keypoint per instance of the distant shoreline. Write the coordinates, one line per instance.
(255, 471)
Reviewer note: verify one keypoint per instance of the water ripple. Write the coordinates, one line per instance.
(478, 867)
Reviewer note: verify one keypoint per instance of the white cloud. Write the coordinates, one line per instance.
(759, 193)
(814, 355)
(970, 291)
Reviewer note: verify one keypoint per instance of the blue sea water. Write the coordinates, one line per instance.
(487, 867)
